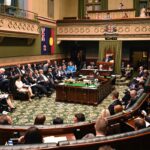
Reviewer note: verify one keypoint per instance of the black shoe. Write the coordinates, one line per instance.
(12, 109)
(39, 96)
(48, 94)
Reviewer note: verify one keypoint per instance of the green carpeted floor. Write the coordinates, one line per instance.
(26, 111)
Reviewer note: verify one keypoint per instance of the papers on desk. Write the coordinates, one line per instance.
(147, 124)
(92, 86)
(61, 83)
(53, 139)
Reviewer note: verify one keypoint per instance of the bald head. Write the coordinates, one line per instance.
(5, 120)
(118, 108)
(139, 123)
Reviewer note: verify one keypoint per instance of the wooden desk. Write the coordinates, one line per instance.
(69, 136)
(83, 94)
(106, 65)
(93, 71)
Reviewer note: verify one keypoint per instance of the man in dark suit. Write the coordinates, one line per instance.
(133, 95)
(38, 88)
(17, 70)
(52, 79)
(116, 101)
(43, 80)
(141, 71)
(80, 133)
(108, 58)
(4, 81)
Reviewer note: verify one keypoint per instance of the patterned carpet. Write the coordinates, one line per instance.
(26, 111)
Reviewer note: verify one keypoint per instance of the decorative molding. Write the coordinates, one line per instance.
(17, 25)
(132, 28)
(29, 59)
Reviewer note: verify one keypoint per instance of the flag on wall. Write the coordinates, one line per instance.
(47, 41)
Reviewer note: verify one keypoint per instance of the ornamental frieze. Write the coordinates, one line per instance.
(88, 28)
(18, 25)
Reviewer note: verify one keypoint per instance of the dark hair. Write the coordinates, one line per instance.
(33, 136)
(40, 119)
(80, 117)
(58, 120)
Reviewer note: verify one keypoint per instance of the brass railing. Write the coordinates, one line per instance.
(17, 12)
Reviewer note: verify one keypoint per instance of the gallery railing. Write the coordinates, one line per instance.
(17, 12)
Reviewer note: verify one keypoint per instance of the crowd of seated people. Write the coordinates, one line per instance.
(40, 76)
(34, 136)
(134, 91)
(34, 80)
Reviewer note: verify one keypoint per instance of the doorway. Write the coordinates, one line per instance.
(139, 58)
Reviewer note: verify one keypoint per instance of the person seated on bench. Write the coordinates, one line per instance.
(78, 133)
(23, 88)
(139, 123)
(118, 108)
(4, 81)
(58, 120)
(128, 71)
(116, 101)
(6, 100)
(5, 120)
(132, 100)
(40, 119)
(79, 117)
(71, 69)
(101, 126)
(32, 136)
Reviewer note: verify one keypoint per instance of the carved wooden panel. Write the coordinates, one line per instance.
(127, 28)
(12, 24)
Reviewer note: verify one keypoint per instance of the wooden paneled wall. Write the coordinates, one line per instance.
(28, 59)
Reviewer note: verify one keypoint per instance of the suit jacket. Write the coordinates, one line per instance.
(18, 71)
(111, 106)
(131, 103)
(141, 73)
(31, 80)
(41, 78)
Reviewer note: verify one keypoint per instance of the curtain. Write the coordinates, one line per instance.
(136, 4)
(114, 47)
(14, 3)
(81, 9)
(104, 4)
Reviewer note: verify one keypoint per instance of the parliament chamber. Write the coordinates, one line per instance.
(74, 74)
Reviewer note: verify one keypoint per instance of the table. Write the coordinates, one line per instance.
(81, 93)
(94, 71)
